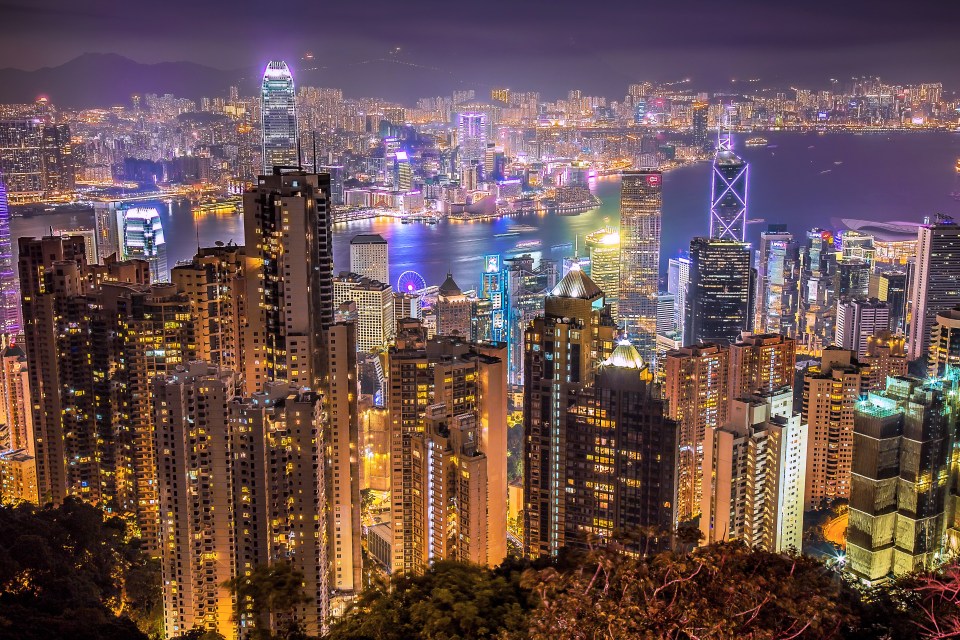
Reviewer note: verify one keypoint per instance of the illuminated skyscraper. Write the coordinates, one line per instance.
(603, 247)
(9, 291)
(698, 113)
(141, 238)
(472, 136)
(719, 304)
(278, 117)
(936, 280)
(728, 199)
(369, 257)
(678, 279)
(641, 201)
(493, 287)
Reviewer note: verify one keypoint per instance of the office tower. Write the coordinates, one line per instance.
(830, 393)
(761, 363)
(336, 182)
(851, 279)
(453, 310)
(527, 289)
(728, 196)
(376, 319)
(776, 291)
(406, 305)
(468, 379)
(886, 357)
(472, 138)
(856, 245)
(215, 283)
(678, 280)
(857, 320)
(453, 512)
(57, 160)
(892, 289)
(197, 499)
(18, 471)
(278, 118)
(9, 290)
(621, 454)
(21, 159)
(753, 470)
(666, 312)
(343, 465)
(698, 113)
(493, 287)
(902, 442)
(603, 249)
(561, 350)
(289, 267)
(944, 352)
(719, 302)
(141, 238)
(641, 201)
(817, 300)
(89, 238)
(375, 447)
(403, 172)
(696, 387)
(50, 272)
(935, 282)
(369, 257)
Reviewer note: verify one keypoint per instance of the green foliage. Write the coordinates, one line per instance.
(451, 601)
(273, 590)
(199, 634)
(64, 574)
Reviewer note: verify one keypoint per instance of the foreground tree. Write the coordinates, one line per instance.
(718, 591)
(451, 601)
(270, 592)
(64, 574)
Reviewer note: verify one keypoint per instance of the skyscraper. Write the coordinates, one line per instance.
(472, 137)
(761, 363)
(719, 304)
(945, 343)
(641, 201)
(369, 257)
(859, 319)
(9, 290)
(776, 295)
(376, 322)
(936, 280)
(141, 238)
(561, 351)
(603, 248)
(289, 266)
(278, 117)
(453, 310)
(728, 197)
(698, 117)
(678, 279)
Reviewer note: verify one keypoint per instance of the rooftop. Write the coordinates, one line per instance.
(576, 284)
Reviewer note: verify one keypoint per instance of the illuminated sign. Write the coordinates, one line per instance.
(653, 180)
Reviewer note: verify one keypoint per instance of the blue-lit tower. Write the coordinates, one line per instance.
(493, 287)
(728, 198)
(9, 289)
(278, 117)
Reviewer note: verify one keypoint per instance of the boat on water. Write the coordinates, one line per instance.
(838, 162)
(523, 228)
(957, 165)
(756, 142)
(506, 234)
(528, 244)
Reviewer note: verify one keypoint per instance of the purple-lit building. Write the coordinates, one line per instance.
(9, 291)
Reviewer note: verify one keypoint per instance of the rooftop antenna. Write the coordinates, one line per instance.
(197, 229)
(576, 246)
(299, 155)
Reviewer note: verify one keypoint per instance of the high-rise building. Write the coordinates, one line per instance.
(641, 202)
(830, 393)
(472, 137)
(18, 471)
(851, 279)
(57, 162)
(603, 249)
(469, 381)
(892, 289)
(562, 348)
(666, 313)
(728, 197)
(278, 118)
(215, 283)
(696, 387)
(719, 302)
(678, 280)
(761, 363)
(902, 442)
(886, 357)
(527, 287)
(857, 320)
(753, 471)
(21, 159)
(342, 472)
(621, 454)
(935, 282)
(698, 116)
(454, 312)
(776, 295)
(9, 289)
(289, 267)
(141, 238)
(493, 287)
(945, 343)
(369, 257)
(376, 321)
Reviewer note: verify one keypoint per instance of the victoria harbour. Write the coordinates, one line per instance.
(801, 180)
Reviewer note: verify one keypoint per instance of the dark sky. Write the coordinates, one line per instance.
(549, 45)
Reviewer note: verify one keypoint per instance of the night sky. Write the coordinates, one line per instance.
(596, 45)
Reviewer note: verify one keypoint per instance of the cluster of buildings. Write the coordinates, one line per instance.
(236, 405)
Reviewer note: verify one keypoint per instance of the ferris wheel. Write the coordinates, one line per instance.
(411, 282)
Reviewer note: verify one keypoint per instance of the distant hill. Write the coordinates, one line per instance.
(104, 79)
